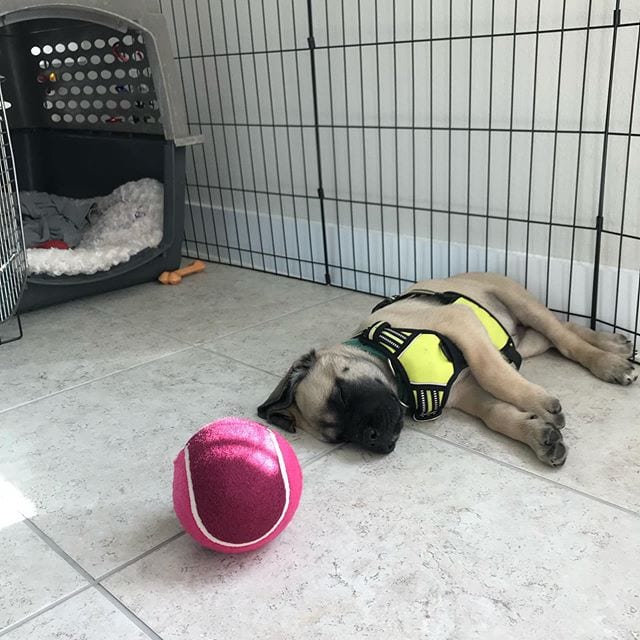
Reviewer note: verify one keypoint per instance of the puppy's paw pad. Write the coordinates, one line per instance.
(557, 455)
(551, 436)
(554, 453)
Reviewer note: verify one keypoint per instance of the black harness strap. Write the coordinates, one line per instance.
(509, 350)
(426, 394)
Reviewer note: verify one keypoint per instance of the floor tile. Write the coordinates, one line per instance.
(429, 542)
(274, 345)
(221, 300)
(32, 575)
(87, 616)
(70, 344)
(96, 461)
(601, 433)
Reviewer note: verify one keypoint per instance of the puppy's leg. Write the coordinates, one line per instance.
(612, 342)
(607, 366)
(533, 343)
(545, 440)
(492, 372)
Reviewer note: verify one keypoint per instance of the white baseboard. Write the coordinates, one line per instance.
(359, 258)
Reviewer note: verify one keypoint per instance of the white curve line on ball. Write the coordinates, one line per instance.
(194, 506)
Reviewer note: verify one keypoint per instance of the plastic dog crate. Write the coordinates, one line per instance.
(95, 103)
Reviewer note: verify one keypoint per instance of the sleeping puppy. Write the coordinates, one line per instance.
(455, 342)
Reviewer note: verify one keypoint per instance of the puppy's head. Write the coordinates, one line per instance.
(340, 394)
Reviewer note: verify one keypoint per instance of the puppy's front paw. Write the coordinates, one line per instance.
(554, 454)
(551, 412)
(614, 368)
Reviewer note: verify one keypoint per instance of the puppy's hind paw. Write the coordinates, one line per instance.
(619, 343)
(616, 369)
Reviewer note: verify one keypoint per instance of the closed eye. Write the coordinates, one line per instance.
(340, 395)
(332, 434)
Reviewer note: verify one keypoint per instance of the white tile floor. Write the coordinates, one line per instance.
(458, 534)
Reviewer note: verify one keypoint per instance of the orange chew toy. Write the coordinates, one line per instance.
(175, 277)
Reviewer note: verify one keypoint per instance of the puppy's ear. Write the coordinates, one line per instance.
(276, 409)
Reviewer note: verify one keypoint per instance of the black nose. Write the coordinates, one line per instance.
(370, 412)
(386, 447)
(374, 441)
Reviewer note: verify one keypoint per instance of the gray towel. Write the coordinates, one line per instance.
(49, 217)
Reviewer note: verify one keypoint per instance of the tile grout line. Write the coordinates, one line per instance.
(131, 323)
(248, 327)
(187, 345)
(114, 316)
(91, 582)
(224, 335)
(280, 317)
(63, 555)
(54, 546)
(96, 582)
(232, 359)
(80, 569)
(318, 456)
(143, 626)
(103, 377)
(39, 612)
(514, 467)
(507, 465)
(140, 556)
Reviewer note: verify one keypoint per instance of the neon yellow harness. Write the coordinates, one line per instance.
(426, 363)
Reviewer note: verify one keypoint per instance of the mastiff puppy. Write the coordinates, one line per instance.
(456, 342)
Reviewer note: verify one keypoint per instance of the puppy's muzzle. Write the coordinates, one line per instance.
(378, 420)
(378, 443)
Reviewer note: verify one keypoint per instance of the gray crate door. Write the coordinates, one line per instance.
(95, 78)
(13, 267)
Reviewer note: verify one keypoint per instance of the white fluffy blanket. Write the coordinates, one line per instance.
(128, 220)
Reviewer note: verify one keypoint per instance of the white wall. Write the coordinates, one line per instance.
(405, 86)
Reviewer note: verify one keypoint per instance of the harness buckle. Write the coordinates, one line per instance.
(393, 372)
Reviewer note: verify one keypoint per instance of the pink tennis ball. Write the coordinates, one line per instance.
(236, 485)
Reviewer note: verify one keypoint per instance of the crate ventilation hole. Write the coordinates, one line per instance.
(96, 81)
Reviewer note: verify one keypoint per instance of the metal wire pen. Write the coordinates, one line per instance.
(439, 137)
(13, 265)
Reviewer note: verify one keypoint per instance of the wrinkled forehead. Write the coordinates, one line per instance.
(332, 364)
(317, 386)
